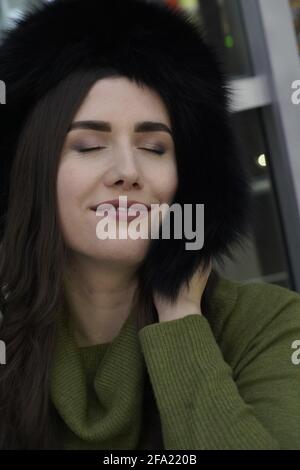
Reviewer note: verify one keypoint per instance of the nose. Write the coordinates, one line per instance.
(123, 170)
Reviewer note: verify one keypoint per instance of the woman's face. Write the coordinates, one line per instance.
(123, 162)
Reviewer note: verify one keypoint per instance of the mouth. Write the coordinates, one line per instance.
(115, 203)
(122, 212)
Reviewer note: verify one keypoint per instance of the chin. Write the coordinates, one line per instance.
(130, 252)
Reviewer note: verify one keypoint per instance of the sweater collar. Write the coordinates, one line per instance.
(106, 413)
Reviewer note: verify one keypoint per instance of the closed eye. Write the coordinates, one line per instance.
(159, 151)
(90, 149)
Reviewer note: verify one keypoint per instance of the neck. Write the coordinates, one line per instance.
(99, 297)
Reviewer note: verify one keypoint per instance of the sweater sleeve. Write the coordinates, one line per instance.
(206, 404)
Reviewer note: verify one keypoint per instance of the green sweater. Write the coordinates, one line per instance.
(226, 381)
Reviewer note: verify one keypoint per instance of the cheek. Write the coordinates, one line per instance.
(166, 181)
(71, 185)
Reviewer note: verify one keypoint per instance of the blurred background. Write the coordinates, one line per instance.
(259, 43)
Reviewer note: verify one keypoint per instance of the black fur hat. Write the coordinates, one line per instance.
(162, 48)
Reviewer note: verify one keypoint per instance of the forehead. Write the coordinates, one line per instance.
(120, 99)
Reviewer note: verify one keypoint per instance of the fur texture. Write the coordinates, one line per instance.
(161, 48)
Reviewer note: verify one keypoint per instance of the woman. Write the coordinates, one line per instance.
(129, 343)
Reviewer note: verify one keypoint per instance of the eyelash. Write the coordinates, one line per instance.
(91, 149)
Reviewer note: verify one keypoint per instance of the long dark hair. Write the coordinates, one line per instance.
(32, 258)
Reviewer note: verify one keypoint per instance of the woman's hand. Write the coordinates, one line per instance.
(188, 301)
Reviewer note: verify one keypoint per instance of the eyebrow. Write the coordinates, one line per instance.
(103, 126)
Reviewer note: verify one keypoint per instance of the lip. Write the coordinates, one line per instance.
(115, 203)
